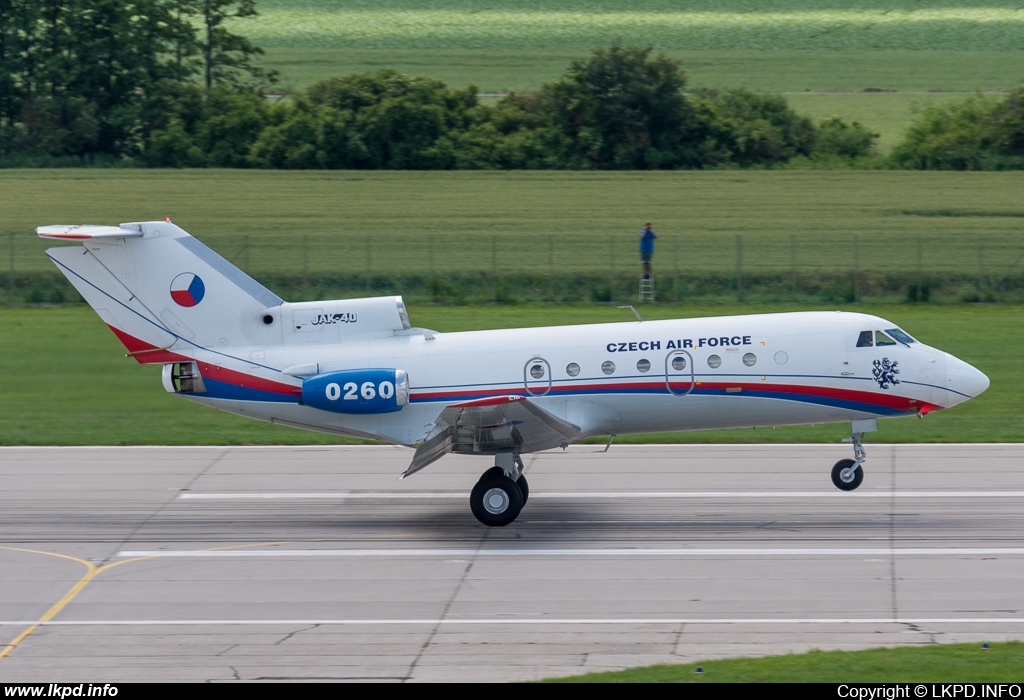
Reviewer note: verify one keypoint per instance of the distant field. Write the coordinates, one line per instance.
(500, 70)
(829, 25)
(64, 379)
(787, 46)
(715, 228)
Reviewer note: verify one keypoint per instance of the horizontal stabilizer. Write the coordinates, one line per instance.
(76, 232)
(492, 425)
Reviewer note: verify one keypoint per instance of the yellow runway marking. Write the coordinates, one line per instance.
(92, 571)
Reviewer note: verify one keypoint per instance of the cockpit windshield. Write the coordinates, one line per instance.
(900, 335)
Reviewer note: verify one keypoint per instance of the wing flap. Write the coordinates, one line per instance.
(492, 425)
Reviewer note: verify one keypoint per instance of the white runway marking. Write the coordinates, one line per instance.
(538, 621)
(606, 494)
(623, 552)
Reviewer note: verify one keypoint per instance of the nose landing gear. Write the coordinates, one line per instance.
(847, 474)
(501, 492)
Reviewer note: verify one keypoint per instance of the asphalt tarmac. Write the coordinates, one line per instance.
(293, 564)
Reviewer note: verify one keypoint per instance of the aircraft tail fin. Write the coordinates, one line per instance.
(157, 287)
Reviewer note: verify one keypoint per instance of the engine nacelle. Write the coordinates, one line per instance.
(357, 391)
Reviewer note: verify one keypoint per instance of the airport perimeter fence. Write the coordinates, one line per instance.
(721, 266)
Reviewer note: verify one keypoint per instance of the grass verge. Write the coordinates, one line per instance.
(939, 663)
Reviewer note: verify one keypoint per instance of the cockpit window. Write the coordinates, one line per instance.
(900, 335)
(865, 339)
(882, 339)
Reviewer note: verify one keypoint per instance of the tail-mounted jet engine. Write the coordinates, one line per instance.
(357, 391)
(183, 378)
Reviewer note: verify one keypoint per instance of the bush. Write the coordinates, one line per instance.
(975, 133)
(836, 138)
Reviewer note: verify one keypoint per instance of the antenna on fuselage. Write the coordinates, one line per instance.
(633, 309)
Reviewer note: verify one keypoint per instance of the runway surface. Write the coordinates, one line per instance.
(244, 563)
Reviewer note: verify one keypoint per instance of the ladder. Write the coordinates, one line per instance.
(647, 288)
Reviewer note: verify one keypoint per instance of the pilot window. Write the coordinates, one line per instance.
(864, 340)
(882, 339)
(900, 335)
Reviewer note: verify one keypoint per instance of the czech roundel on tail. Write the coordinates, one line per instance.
(358, 367)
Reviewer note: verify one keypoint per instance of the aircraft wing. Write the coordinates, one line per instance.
(491, 425)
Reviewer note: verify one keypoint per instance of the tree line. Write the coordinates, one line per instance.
(94, 79)
(162, 83)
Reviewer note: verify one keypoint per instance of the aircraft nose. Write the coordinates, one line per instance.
(963, 380)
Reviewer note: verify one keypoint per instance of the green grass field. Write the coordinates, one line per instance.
(64, 379)
(937, 663)
(666, 24)
(962, 226)
(787, 46)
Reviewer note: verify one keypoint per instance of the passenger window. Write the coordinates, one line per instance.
(714, 361)
(882, 339)
(678, 363)
(572, 369)
(537, 371)
(750, 359)
(864, 340)
(608, 367)
(643, 366)
(781, 357)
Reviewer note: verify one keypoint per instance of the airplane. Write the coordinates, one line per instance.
(357, 367)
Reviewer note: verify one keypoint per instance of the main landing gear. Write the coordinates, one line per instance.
(847, 474)
(501, 493)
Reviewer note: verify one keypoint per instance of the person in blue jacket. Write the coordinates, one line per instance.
(647, 236)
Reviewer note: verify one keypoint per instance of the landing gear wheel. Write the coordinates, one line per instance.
(496, 500)
(845, 477)
(523, 487)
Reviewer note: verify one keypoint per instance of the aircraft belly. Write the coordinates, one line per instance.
(671, 413)
(403, 428)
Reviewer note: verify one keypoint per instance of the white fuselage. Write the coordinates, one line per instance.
(772, 369)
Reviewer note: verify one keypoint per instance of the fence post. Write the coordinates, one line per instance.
(10, 279)
(675, 268)
(856, 269)
(792, 265)
(551, 268)
(981, 269)
(611, 275)
(739, 267)
(430, 266)
(919, 297)
(305, 260)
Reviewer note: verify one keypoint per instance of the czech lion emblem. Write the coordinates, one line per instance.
(885, 373)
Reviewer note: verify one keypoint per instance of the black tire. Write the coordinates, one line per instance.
(520, 482)
(523, 487)
(492, 472)
(852, 479)
(496, 500)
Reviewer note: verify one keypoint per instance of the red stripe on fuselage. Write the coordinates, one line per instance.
(902, 403)
(248, 381)
(146, 354)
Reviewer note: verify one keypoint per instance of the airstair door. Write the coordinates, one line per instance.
(537, 376)
(679, 374)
